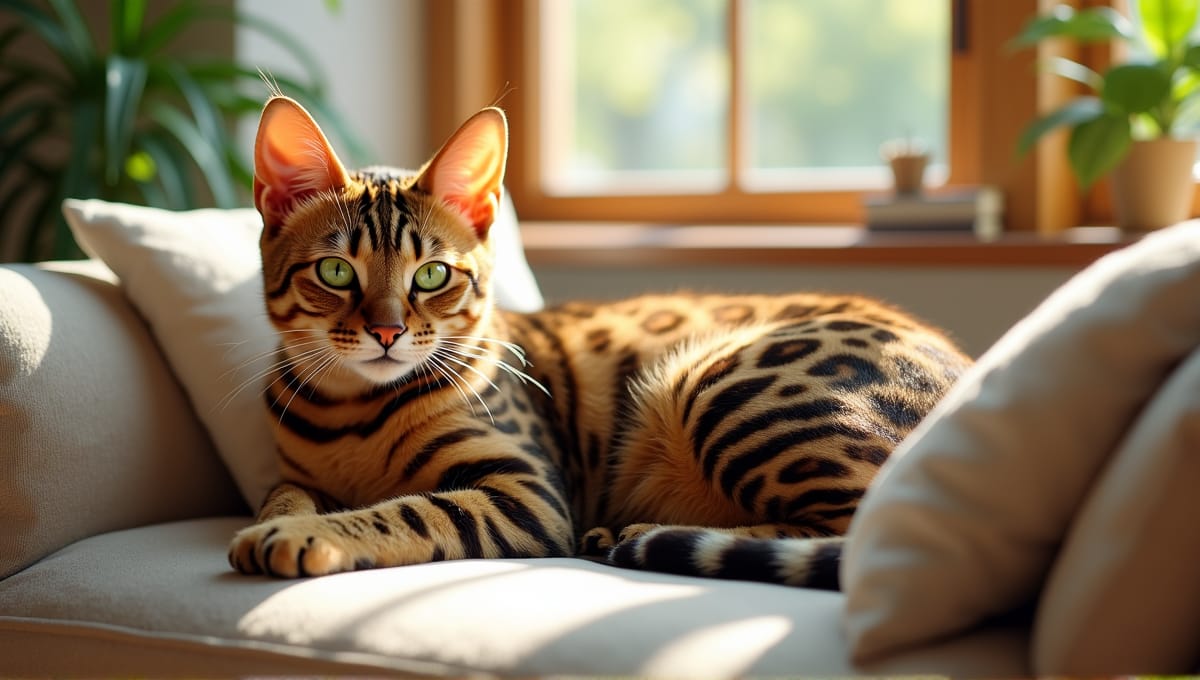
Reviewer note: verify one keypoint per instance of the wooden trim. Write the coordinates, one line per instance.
(631, 246)
(996, 92)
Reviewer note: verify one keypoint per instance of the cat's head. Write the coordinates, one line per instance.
(369, 273)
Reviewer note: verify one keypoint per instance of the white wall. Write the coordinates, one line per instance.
(373, 54)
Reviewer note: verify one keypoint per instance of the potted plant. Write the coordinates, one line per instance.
(134, 120)
(1132, 122)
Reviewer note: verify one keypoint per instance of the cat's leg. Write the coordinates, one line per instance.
(285, 500)
(499, 517)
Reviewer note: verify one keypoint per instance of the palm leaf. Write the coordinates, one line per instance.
(76, 29)
(170, 164)
(44, 25)
(126, 17)
(167, 28)
(125, 80)
(203, 152)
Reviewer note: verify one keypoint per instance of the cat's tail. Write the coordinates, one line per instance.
(802, 562)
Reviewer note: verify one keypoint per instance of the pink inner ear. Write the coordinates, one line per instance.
(468, 171)
(292, 160)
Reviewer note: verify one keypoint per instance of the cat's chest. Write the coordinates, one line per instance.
(370, 458)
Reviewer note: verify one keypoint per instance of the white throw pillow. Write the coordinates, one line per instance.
(965, 521)
(196, 278)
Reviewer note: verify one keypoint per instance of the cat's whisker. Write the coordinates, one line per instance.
(312, 372)
(468, 351)
(260, 375)
(454, 378)
(446, 360)
(517, 350)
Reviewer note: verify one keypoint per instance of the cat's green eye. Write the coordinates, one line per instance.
(431, 276)
(335, 272)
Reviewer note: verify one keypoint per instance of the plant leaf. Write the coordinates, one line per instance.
(1095, 24)
(1075, 112)
(1166, 24)
(1073, 70)
(171, 24)
(1135, 88)
(170, 163)
(16, 144)
(77, 180)
(202, 151)
(51, 31)
(126, 25)
(76, 30)
(204, 112)
(1096, 146)
(125, 80)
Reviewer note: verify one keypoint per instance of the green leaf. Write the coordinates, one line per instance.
(1166, 24)
(1095, 24)
(1075, 112)
(1191, 58)
(1135, 88)
(1073, 70)
(170, 25)
(50, 31)
(79, 175)
(9, 35)
(208, 119)
(126, 25)
(76, 30)
(1097, 146)
(15, 144)
(202, 151)
(125, 80)
(12, 120)
(171, 164)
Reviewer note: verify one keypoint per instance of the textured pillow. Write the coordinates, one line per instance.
(196, 278)
(964, 523)
(95, 434)
(1123, 596)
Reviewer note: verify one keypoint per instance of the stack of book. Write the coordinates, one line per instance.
(978, 210)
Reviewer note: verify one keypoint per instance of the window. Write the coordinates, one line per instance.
(746, 111)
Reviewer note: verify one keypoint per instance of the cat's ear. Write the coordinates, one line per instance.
(468, 171)
(292, 160)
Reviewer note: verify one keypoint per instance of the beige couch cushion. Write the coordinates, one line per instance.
(127, 596)
(965, 522)
(1124, 596)
(95, 433)
(196, 278)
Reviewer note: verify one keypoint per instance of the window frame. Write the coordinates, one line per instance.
(485, 52)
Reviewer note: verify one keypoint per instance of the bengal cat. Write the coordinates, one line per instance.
(716, 435)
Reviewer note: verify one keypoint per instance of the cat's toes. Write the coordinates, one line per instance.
(633, 531)
(596, 542)
(288, 548)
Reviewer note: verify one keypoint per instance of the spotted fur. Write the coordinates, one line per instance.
(716, 435)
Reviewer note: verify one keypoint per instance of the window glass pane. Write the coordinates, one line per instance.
(635, 95)
(828, 81)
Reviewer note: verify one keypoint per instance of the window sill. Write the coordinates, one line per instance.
(632, 245)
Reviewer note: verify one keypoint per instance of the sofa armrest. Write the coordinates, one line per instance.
(95, 433)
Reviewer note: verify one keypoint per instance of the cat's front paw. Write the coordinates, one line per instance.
(596, 542)
(289, 547)
(634, 531)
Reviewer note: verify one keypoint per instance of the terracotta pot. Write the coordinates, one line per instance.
(1152, 187)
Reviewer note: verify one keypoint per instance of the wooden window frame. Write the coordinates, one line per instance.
(485, 51)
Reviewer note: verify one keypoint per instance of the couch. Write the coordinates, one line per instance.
(1041, 520)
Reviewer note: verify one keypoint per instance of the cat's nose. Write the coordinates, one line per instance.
(386, 335)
